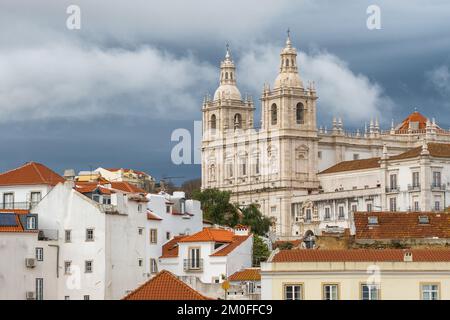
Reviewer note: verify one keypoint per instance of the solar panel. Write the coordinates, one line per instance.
(8, 220)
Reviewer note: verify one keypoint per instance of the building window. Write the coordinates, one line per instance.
(354, 207)
(373, 220)
(257, 165)
(140, 231)
(341, 212)
(393, 204)
(168, 209)
(153, 236)
(430, 291)
(40, 254)
(194, 258)
(369, 207)
(35, 198)
(67, 265)
(300, 113)
(356, 156)
(86, 297)
(88, 266)
(66, 297)
(8, 200)
(140, 262)
(67, 235)
(139, 207)
(230, 170)
(330, 292)
(436, 179)
(273, 114)
(319, 154)
(416, 206)
(237, 121)
(167, 235)
(327, 214)
(293, 292)
(437, 206)
(31, 223)
(39, 289)
(89, 234)
(153, 266)
(416, 180)
(308, 215)
(370, 292)
(213, 122)
(393, 181)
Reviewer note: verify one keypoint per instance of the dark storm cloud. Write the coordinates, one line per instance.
(111, 93)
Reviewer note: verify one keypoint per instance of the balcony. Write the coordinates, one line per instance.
(414, 187)
(392, 189)
(438, 186)
(193, 265)
(48, 234)
(18, 205)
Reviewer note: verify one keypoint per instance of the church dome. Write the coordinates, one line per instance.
(227, 91)
(289, 79)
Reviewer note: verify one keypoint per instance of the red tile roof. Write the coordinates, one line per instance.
(170, 248)
(401, 225)
(361, 255)
(235, 242)
(153, 216)
(31, 173)
(351, 165)
(210, 235)
(165, 286)
(437, 150)
(89, 187)
(413, 117)
(251, 274)
(127, 187)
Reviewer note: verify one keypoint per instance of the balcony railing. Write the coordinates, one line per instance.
(18, 205)
(193, 265)
(414, 187)
(395, 189)
(438, 186)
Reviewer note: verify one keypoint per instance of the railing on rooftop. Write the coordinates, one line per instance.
(392, 189)
(18, 205)
(193, 264)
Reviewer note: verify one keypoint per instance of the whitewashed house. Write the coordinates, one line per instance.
(169, 216)
(210, 255)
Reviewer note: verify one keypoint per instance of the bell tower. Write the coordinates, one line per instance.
(289, 117)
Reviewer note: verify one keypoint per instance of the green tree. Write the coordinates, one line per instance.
(216, 206)
(251, 216)
(260, 251)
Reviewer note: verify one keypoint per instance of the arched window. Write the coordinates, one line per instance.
(237, 121)
(292, 62)
(231, 75)
(273, 114)
(213, 121)
(300, 113)
(287, 62)
(226, 75)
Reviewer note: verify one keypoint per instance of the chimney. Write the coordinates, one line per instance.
(241, 230)
(69, 174)
(407, 256)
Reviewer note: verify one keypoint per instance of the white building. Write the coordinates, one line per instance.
(210, 256)
(169, 216)
(416, 180)
(276, 166)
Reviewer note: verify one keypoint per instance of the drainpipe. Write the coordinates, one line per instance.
(57, 258)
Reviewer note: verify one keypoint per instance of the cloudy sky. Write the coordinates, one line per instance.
(111, 93)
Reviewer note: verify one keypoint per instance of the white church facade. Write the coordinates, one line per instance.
(282, 167)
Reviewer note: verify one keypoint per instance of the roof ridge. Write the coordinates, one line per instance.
(18, 168)
(33, 164)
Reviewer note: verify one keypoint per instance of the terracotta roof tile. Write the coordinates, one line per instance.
(401, 225)
(360, 255)
(235, 242)
(170, 248)
(153, 216)
(210, 234)
(165, 286)
(353, 165)
(31, 173)
(438, 150)
(127, 187)
(413, 117)
(251, 274)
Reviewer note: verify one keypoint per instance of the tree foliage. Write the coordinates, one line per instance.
(260, 251)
